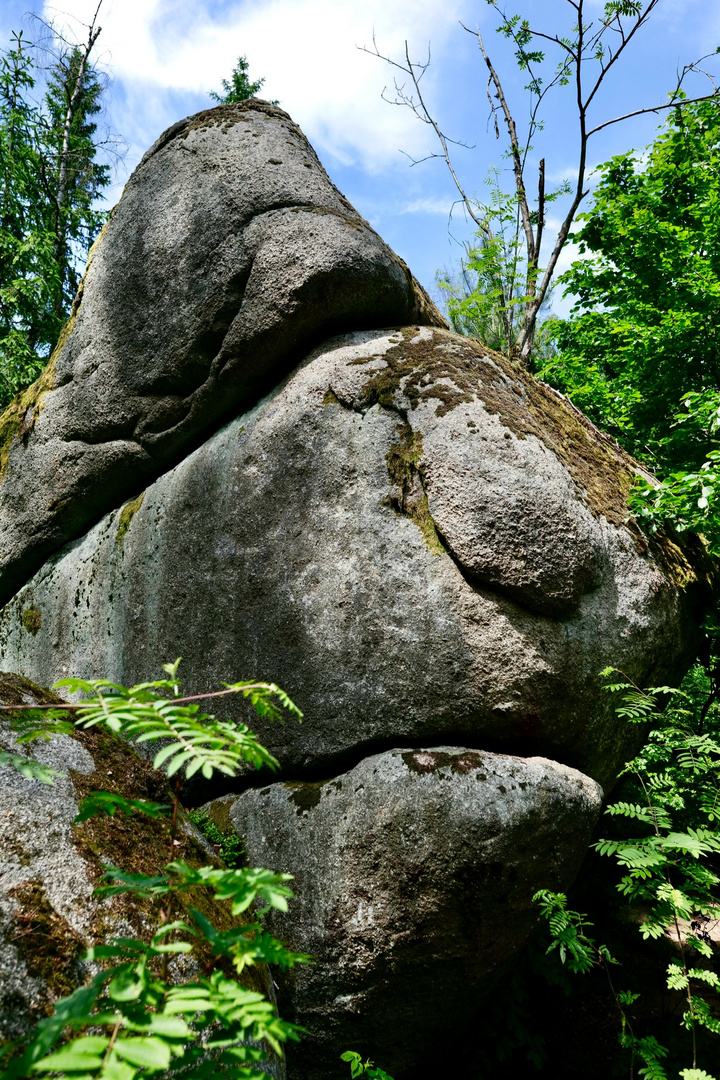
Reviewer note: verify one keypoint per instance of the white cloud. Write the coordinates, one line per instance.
(569, 254)
(307, 52)
(429, 205)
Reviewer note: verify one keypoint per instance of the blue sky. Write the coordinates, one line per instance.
(164, 56)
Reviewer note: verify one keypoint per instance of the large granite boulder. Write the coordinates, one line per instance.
(414, 874)
(422, 544)
(418, 541)
(229, 255)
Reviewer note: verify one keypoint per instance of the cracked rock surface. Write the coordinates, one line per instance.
(412, 538)
(414, 877)
(229, 255)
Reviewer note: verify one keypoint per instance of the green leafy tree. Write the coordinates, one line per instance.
(29, 276)
(73, 178)
(579, 54)
(50, 184)
(645, 330)
(486, 298)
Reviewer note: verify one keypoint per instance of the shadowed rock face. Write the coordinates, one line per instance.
(412, 538)
(229, 255)
(414, 875)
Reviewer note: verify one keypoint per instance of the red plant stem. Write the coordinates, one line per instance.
(83, 704)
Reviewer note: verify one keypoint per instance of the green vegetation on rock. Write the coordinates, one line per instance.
(137, 1013)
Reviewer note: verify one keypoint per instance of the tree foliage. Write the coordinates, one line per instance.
(666, 846)
(645, 330)
(50, 184)
(485, 298)
(578, 54)
(238, 87)
(640, 353)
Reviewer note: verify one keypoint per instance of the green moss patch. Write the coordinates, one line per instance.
(21, 415)
(31, 619)
(139, 844)
(404, 466)
(127, 513)
(17, 690)
(136, 843)
(45, 941)
(226, 843)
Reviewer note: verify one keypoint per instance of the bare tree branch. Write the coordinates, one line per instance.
(515, 148)
(653, 109)
(589, 45)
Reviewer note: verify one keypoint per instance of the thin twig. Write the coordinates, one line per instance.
(113, 1037)
(84, 704)
(676, 103)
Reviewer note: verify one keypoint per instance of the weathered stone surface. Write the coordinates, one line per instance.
(414, 877)
(49, 866)
(229, 255)
(414, 539)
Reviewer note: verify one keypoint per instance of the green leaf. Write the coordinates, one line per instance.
(128, 983)
(82, 1054)
(108, 802)
(149, 1053)
(29, 767)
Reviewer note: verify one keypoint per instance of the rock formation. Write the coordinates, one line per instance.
(428, 860)
(229, 255)
(416, 540)
(426, 547)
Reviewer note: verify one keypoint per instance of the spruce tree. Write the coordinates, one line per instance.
(50, 185)
(238, 87)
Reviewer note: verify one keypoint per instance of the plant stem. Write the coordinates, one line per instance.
(173, 835)
(113, 1037)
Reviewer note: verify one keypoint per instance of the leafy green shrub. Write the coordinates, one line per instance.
(228, 845)
(669, 862)
(133, 1019)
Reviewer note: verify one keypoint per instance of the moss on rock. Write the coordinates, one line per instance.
(17, 690)
(139, 844)
(126, 515)
(307, 794)
(434, 365)
(46, 943)
(31, 619)
(404, 465)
